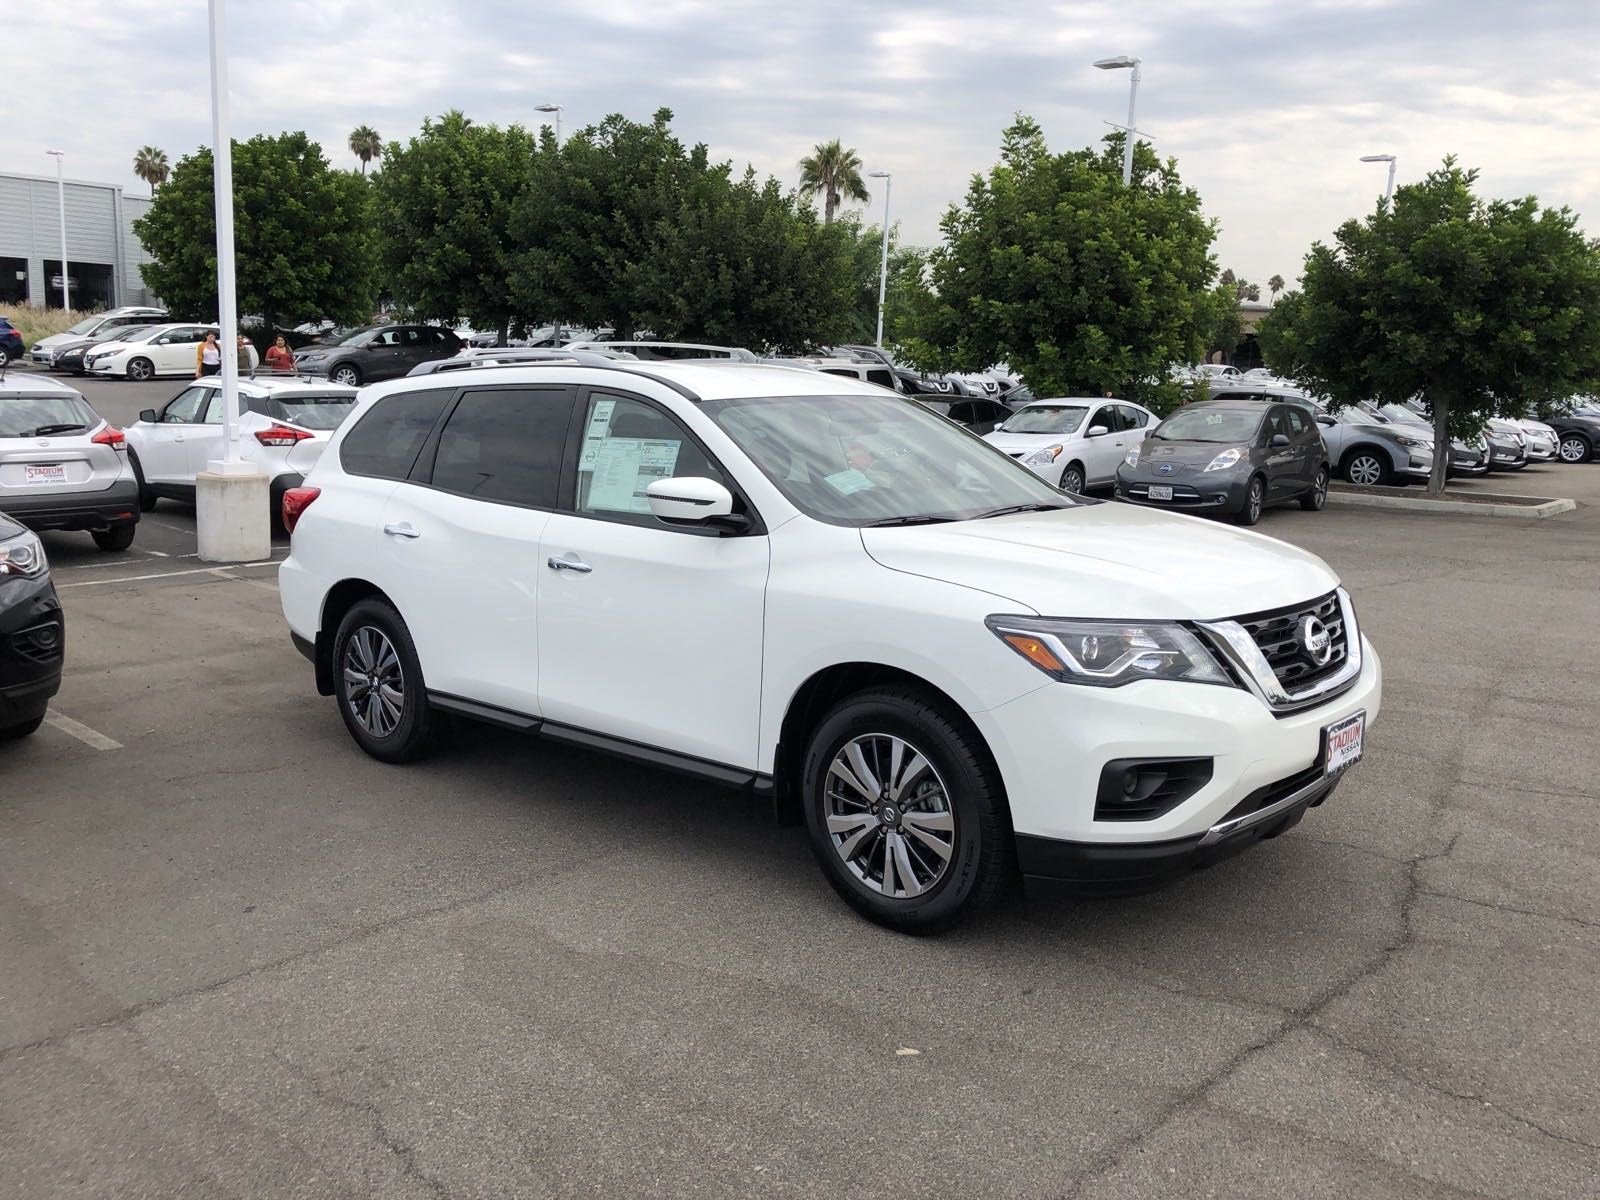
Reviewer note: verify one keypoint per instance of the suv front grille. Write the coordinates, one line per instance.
(1277, 635)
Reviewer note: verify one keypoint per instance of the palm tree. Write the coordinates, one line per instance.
(1275, 285)
(835, 172)
(365, 144)
(151, 166)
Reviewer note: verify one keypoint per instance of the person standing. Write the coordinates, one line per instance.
(208, 356)
(279, 356)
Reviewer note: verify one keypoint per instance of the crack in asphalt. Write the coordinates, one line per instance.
(1512, 908)
(385, 1137)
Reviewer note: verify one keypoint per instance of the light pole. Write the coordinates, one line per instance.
(883, 262)
(1388, 158)
(61, 213)
(551, 108)
(1116, 64)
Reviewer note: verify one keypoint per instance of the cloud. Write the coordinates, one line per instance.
(1266, 105)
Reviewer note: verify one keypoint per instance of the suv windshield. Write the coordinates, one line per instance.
(865, 460)
(41, 416)
(308, 412)
(84, 326)
(1045, 418)
(1211, 425)
(353, 337)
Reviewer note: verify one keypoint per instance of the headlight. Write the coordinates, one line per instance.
(1132, 457)
(1228, 458)
(22, 555)
(1040, 458)
(1407, 440)
(1109, 653)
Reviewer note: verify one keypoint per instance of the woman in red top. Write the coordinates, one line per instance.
(279, 356)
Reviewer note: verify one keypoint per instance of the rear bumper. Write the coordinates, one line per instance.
(115, 505)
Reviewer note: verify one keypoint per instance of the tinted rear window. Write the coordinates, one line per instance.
(25, 416)
(505, 444)
(387, 439)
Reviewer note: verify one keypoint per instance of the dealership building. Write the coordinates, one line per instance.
(103, 255)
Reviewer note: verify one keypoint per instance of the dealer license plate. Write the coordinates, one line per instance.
(44, 473)
(1343, 742)
(1161, 491)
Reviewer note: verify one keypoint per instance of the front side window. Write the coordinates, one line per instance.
(864, 460)
(386, 441)
(185, 407)
(505, 444)
(1046, 418)
(627, 446)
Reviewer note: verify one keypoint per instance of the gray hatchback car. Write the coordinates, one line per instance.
(1229, 456)
(62, 466)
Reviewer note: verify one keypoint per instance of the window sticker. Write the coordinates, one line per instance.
(847, 481)
(595, 435)
(625, 467)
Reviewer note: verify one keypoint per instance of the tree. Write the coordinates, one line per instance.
(1475, 307)
(151, 166)
(1082, 284)
(835, 171)
(442, 208)
(365, 144)
(624, 226)
(1275, 285)
(301, 246)
(1249, 291)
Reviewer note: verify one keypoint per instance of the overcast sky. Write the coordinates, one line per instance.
(1266, 104)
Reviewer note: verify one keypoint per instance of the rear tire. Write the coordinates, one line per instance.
(1313, 500)
(944, 824)
(1255, 500)
(116, 539)
(5, 357)
(378, 685)
(141, 370)
(13, 732)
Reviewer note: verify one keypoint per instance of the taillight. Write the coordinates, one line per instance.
(295, 502)
(281, 435)
(111, 436)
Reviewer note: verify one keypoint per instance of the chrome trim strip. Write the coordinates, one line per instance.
(1241, 651)
(1223, 828)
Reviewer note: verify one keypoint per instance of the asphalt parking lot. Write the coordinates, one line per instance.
(239, 958)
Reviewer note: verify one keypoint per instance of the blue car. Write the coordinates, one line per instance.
(10, 343)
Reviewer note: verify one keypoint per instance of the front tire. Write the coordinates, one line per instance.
(378, 685)
(905, 811)
(346, 376)
(1255, 499)
(1575, 448)
(116, 539)
(1072, 479)
(1366, 468)
(1313, 500)
(141, 370)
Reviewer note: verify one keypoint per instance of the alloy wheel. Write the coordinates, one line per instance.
(1072, 480)
(1365, 470)
(345, 377)
(889, 815)
(1574, 450)
(139, 370)
(374, 682)
(1254, 501)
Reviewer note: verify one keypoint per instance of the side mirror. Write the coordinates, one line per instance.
(1324, 419)
(1097, 431)
(148, 416)
(692, 500)
(1279, 440)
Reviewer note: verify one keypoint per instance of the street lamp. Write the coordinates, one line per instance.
(1119, 63)
(61, 212)
(551, 108)
(883, 262)
(1388, 158)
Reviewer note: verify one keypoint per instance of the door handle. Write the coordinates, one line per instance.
(402, 529)
(568, 562)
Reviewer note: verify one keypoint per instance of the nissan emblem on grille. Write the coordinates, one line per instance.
(1315, 640)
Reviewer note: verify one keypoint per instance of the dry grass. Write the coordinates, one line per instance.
(35, 322)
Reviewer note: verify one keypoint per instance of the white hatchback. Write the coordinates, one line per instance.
(1075, 444)
(284, 423)
(816, 590)
(157, 350)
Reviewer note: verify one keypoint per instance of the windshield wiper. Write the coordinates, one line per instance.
(917, 519)
(1037, 506)
(47, 430)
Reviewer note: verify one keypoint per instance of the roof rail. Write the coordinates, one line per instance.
(516, 358)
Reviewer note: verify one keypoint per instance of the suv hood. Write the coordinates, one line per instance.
(1109, 560)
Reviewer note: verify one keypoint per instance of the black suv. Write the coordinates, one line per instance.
(376, 352)
(1578, 431)
(32, 633)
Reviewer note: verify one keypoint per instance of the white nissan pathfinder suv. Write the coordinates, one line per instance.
(814, 589)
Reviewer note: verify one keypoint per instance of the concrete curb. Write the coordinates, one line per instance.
(1477, 508)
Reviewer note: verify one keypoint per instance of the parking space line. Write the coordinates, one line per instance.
(82, 732)
(266, 562)
(222, 573)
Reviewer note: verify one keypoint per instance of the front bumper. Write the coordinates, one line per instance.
(44, 358)
(1192, 491)
(115, 505)
(1052, 744)
(32, 642)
